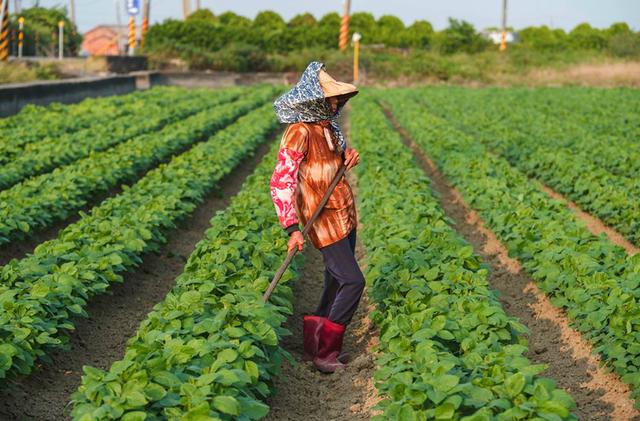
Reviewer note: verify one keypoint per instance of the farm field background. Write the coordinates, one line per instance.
(499, 230)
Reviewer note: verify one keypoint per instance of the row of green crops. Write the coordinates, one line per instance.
(564, 155)
(37, 202)
(596, 282)
(210, 348)
(35, 123)
(146, 117)
(41, 294)
(553, 118)
(448, 350)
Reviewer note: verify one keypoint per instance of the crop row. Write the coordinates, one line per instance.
(41, 294)
(35, 123)
(592, 279)
(210, 348)
(37, 202)
(535, 147)
(519, 117)
(448, 349)
(47, 154)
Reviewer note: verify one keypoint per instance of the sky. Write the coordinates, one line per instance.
(481, 13)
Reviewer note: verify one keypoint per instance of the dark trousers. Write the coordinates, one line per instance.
(343, 281)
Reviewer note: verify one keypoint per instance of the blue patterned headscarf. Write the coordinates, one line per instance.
(306, 103)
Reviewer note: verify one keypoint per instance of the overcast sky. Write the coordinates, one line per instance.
(482, 13)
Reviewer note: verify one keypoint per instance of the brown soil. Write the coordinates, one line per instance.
(599, 395)
(100, 339)
(302, 393)
(595, 225)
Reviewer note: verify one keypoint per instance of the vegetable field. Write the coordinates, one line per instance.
(499, 231)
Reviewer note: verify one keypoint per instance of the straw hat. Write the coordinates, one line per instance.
(332, 87)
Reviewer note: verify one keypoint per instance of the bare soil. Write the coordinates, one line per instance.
(599, 395)
(101, 339)
(586, 74)
(303, 393)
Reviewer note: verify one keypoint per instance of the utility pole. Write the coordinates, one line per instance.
(17, 6)
(344, 26)
(72, 11)
(119, 22)
(198, 5)
(146, 8)
(186, 8)
(503, 35)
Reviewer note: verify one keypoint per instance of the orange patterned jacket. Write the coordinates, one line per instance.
(307, 163)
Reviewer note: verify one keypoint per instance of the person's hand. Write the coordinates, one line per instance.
(351, 158)
(295, 241)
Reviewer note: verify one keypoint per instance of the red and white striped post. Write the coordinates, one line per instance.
(343, 41)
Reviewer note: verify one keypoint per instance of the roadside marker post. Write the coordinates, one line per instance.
(133, 7)
(356, 52)
(20, 35)
(4, 31)
(60, 40)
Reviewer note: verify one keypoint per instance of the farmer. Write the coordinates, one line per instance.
(311, 152)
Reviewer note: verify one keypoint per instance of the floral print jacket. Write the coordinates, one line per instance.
(307, 162)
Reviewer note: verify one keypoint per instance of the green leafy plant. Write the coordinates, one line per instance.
(595, 281)
(34, 122)
(135, 118)
(41, 294)
(210, 348)
(448, 350)
(39, 201)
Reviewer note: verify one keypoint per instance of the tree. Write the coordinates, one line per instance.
(460, 36)
(305, 20)
(41, 32)
(202, 14)
(268, 21)
(365, 24)
(584, 36)
(390, 30)
(328, 31)
(231, 19)
(418, 35)
(543, 38)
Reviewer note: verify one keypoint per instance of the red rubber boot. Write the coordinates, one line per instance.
(329, 347)
(311, 334)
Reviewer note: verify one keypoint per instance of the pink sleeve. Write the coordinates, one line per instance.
(283, 186)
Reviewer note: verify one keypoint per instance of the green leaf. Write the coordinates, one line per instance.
(134, 416)
(514, 384)
(226, 405)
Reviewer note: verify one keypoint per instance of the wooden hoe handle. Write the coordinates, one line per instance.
(305, 231)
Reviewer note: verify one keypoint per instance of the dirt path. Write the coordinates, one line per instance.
(571, 363)
(101, 339)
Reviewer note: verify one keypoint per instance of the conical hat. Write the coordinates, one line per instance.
(331, 87)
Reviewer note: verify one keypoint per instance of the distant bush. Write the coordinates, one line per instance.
(268, 42)
(625, 44)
